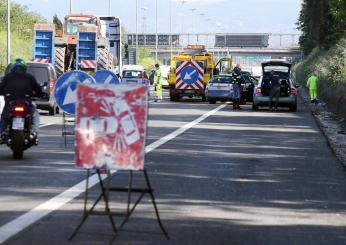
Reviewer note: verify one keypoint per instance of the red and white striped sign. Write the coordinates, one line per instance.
(88, 64)
(40, 60)
(181, 84)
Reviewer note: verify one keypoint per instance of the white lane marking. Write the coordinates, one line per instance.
(22, 222)
(181, 130)
(46, 124)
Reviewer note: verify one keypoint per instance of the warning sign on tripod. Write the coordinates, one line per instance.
(111, 123)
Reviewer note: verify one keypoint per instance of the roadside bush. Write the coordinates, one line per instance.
(330, 66)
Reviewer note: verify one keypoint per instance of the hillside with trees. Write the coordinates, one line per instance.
(323, 41)
(22, 31)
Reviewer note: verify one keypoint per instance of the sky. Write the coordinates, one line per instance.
(231, 16)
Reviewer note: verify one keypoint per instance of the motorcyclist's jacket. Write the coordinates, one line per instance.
(18, 86)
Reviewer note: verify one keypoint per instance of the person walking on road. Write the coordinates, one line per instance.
(236, 87)
(158, 83)
(274, 91)
(312, 85)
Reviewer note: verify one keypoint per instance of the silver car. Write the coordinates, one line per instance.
(220, 88)
(288, 90)
(134, 74)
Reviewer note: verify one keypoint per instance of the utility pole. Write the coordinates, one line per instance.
(170, 27)
(136, 32)
(157, 41)
(8, 32)
(109, 7)
(70, 7)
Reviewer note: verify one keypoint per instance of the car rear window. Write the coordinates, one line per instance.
(276, 68)
(222, 80)
(132, 74)
(40, 73)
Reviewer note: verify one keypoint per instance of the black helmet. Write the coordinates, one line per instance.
(19, 66)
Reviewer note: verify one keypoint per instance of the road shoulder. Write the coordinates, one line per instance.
(332, 126)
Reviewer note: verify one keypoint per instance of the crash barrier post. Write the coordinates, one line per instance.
(111, 126)
(67, 122)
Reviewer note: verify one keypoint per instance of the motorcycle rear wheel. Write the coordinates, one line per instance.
(18, 144)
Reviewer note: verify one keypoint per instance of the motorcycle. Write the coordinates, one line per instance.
(18, 135)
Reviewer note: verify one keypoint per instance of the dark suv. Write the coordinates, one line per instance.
(45, 75)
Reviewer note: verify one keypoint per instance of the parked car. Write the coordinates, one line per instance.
(288, 90)
(220, 88)
(134, 74)
(46, 76)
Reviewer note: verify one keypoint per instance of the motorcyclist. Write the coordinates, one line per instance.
(18, 84)
(236, 73)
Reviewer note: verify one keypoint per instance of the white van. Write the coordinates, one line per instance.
(134, 74)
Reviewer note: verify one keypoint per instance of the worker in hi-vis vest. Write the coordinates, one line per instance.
(312, 85)
(158, 83)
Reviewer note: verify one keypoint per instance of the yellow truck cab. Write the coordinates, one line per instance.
(191, 71)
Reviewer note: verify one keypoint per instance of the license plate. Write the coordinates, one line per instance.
(18, 123)
(189, 91)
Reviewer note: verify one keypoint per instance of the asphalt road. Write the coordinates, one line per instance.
(238, 177)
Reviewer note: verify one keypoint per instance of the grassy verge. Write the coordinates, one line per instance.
(330, 67)
(20, 48)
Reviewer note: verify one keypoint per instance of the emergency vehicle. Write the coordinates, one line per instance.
(191, 71)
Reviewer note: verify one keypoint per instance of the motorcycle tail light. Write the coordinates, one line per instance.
(293, 91)
(19, 109)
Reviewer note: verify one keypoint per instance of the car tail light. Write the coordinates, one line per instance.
(258, 90)
(19, 109)
(51, 85)
(293, 91)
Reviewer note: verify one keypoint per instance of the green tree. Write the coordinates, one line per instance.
(322, 22)
(145, 58)
(22, 31)
(57, 22)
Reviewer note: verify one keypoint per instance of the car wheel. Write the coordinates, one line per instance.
(52, 111)
(57, 110)
(212, 101)
(254, 107)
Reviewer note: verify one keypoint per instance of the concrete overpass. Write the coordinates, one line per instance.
(279, 45)
(292, 53)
